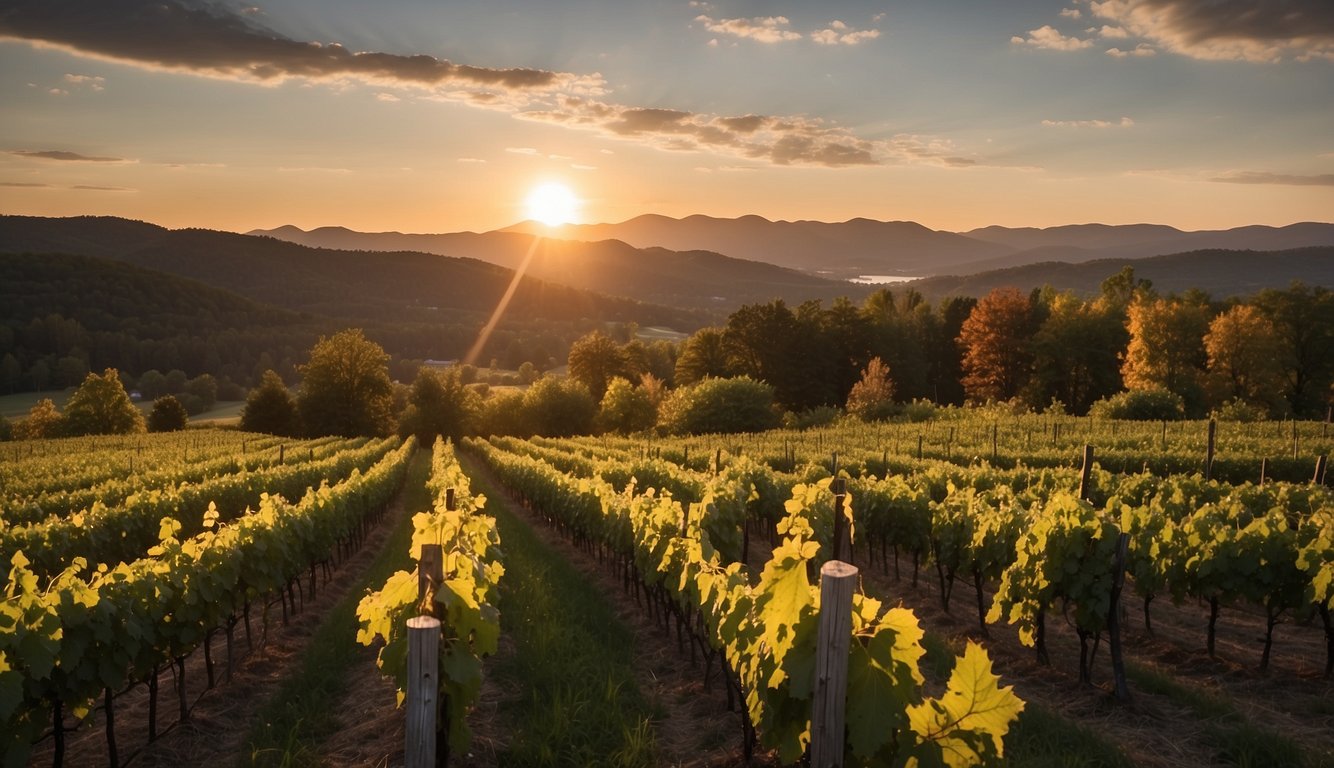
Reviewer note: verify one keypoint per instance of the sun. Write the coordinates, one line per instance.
(552, 203)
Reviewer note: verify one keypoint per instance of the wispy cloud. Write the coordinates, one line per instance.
(64, 156)
(1286, 179)
(1141, 50)
(471, 160)
(1071, 13)
(25, 185)
(1244, 30)
(212, 41)
(1049, 38)
(94, 188)
(1124, 122)
(838, 33)
(763, 29)
(529, 151)
(91, 82)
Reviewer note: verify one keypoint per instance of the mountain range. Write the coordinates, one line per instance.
(841, 251)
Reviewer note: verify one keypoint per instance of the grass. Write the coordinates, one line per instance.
(1043, 739)
(291, 725)
(1237, 741)
(572, 658)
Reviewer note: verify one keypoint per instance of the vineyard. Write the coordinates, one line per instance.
(1005, 575)
(129, 555)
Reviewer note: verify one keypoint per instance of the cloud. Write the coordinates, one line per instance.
(25, 184)
(207, 39)
(386, 97)
(92, 188)
(762, 29)
(470, 160)
(1050, 39)
(58, 154)
(1115, 33)
(582, 167)
(1258, 177)
(1143, 49)
(1243, 30)
(92, 82)
(1124, 122)
(1071, 13)
(210, 40)
(838, 33)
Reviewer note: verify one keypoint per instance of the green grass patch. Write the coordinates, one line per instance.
(1043, 739)
(289, 729)
(1238, 742)
(572, 658)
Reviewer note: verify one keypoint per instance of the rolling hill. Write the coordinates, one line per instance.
(1221, 273)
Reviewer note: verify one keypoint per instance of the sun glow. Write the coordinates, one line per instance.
(552, 203)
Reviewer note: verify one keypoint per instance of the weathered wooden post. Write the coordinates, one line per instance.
(1320, 469)
(838, 580)
(1086, 474)
(842, 531)
(1209, 456)
(423, 691)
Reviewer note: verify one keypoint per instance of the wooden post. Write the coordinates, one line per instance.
(1319, 478)
(1086, 474)
(995, 428)
(1114, 619)
(1264, 470)
(449, 499)
(423, 691)
(430, 574)
(842, 531)
(1209, 456)
(1294, 437)
(829, 716)
(919, 446)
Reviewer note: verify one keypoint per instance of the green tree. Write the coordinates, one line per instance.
(6, 430)
(559, 407)
(174, 382)
(270, 408)
(1166, 348)
(168, 415)
(43, 421)
(1076, 354)
(204, 388)
(872, 397)
(11, 374)
(152, 384)
(995, 340)
(595, 360)
(100, 406)
(439, 403)
(703, 355)
(739, 404)
(504, 413)
(626, 408)
(71, 370)
(345, 388)
(1304, 320)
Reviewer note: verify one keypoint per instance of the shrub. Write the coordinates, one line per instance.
(1153, 404)
(168, 415)
(1240, 410)
(720, 405)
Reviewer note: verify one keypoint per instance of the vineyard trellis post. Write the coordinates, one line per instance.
(1209, 456)
(430, 574)
(829, 716)
(422, 691)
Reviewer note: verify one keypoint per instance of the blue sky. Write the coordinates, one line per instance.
(439, 116)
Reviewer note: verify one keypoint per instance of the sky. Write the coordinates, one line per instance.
(442, 116)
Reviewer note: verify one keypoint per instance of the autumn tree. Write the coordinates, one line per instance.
(270, 407)
(345, 389)
(995, 341)
(1242, 348)
(595, 359)
(703, 355)
(43, 421)
(1166, 348)
(439, 404)
(168, 415)
(101, 406)
(872, 397)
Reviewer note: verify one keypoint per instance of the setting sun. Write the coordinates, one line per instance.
(551, 203)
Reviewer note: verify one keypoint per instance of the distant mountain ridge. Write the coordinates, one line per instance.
(853, 248)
